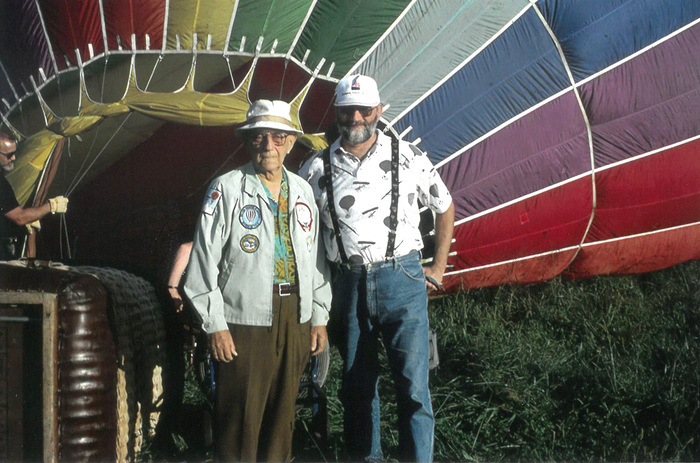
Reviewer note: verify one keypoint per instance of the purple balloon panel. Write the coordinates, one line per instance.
(648, 102)
(23, 48)
(544, 147)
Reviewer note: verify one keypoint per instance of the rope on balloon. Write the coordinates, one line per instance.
(589, 132)
(82, 171)
(80, 176)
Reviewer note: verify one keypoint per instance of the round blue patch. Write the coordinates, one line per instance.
(250, 216)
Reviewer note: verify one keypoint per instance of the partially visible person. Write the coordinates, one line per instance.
(185, 319)
(17, 221)
(367, 187)
(260, 284)
(186, 347)
(182, 256)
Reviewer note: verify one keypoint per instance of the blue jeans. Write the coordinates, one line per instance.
(388, 298)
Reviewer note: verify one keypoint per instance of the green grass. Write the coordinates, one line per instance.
(599, 369)
(602, 369)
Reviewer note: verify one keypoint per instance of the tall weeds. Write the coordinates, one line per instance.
(602, 369)
(599, 369)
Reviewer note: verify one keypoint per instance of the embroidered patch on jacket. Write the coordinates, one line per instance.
(304, 217)
(250, 243)
(250, 216)
(211, 200)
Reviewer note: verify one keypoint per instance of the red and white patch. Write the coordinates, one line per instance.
(211, 200)
(304, 217)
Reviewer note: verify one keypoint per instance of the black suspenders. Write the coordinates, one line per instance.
(393, 208)
(331, 203)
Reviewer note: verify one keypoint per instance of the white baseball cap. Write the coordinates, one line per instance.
(269, 114)
(357, 90)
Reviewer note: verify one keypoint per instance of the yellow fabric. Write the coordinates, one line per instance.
(32, 155)
(203, 17)
(91, 108)
(185, 106)
(70, 126)
(312, 141)
(192, 108)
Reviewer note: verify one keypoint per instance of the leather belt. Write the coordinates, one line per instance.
(285, 289)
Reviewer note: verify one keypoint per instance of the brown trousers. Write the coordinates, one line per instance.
(256, 392)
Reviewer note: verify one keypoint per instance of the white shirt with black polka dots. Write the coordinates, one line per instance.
(362, 194)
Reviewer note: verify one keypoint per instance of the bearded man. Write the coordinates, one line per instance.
(367, 186)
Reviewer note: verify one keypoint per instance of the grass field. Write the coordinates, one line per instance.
(602, 369)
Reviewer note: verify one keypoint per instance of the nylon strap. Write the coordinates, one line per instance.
(393, 208)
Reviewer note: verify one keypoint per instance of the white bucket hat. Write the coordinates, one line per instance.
(357, 90)
(266, 114)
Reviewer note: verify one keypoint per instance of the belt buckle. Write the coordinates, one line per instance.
(284, 289)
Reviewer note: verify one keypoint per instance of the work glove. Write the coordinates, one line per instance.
(31, 226)
(59, 204)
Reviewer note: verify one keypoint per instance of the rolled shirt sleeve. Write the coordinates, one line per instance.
(432, 190)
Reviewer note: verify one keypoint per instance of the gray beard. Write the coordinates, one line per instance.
(356, 135)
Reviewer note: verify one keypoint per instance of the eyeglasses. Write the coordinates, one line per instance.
(278, 138)
(8, 155)
(349, 111)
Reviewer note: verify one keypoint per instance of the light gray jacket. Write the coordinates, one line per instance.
(231, 269)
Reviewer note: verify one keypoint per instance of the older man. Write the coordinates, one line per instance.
(14, 218)
(260, 285)
(367, 186)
